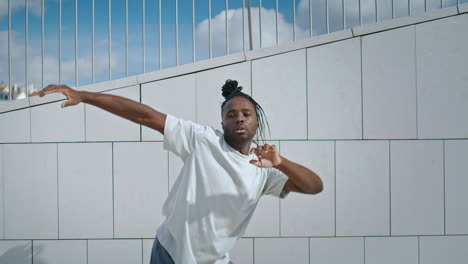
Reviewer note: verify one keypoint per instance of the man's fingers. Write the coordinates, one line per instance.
(256, 163)
(266, 147)
(259, 150)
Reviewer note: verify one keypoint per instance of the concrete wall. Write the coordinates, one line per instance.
(379, 112)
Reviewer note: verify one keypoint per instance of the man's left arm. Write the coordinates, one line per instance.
(300, 179)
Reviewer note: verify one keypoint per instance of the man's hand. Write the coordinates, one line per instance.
(268, 156)
(73, 97)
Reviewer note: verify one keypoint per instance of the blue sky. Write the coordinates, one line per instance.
(135, 61)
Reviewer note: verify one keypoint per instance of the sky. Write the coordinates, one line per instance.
(48, 64)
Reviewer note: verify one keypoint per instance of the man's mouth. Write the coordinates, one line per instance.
(240, 130)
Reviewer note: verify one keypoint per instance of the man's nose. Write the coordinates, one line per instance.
(240, 119)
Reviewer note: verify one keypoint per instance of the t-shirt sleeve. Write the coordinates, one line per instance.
(180, 135)
(275, 183)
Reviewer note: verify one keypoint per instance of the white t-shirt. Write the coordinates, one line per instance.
(214, 196)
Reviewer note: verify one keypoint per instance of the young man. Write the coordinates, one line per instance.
(222, 179)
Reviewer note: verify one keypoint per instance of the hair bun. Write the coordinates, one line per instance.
(230, 87)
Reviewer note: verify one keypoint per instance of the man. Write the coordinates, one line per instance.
(222, 179)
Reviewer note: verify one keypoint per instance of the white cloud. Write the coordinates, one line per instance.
(50, 63)
(34, 6)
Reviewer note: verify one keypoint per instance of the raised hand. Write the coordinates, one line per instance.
(73, 97)
(268, 156)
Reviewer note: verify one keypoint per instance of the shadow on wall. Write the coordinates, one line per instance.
(21, 255)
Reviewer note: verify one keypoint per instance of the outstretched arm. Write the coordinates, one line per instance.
(123, 107)
(300, 179)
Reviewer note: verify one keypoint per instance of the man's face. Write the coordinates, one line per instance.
(239, 121)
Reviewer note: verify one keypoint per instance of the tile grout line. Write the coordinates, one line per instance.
(87, 251)
(58, 198)
(334, 174)
(279, 201)
(32, 251)
(141, 126)
(362, 92)
(390, 183)
(142, 252)
(308, 239)
(307, 94)
(84, 110)
(364, 238)
(416, 80)
(419, 250)
(3, 189)
(443, 164)
(253, 249)
(113, 201)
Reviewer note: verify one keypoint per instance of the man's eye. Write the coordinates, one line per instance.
(246, 114)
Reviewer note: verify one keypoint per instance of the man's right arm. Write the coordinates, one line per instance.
(123, 107)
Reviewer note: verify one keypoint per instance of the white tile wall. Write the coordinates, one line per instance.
(2, 233)
(16, 126)
(175, 165)
(417, 187)
(362, 188)
(115, 251)
(140, 188)
(389, 250)
(447, 250)
(85, 190)
(334, 91)
(442, 76)
(279, 86)
(175, 96)
(209, 84)
(30, 197)
(60, 251)
(389, 84)
(265, 220)
(242, 253)
(147, 248)
(16, 252)
(456, 184)
(104, 126)
(340, 250)
(310, 215)
(51, 123)
(281, 250)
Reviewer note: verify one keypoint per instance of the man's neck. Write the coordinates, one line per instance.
(243, 148)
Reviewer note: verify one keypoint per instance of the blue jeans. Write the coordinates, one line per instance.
(159, 254)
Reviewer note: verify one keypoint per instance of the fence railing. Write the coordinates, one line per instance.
(79, 42)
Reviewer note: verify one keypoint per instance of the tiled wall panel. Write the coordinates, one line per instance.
(140, 188)
(456, 184)
(334, 91)
(417, 187)
(16, 252)
(281, 250)
(16, 126)
(243, 251)
(389, 84)
(447, 250)
(175, 96)
(265, 219)
(147, 249)
(389, 250)
(209, 84)
(311, 215)
(51, 123)
(337, 250)
(279, 86)
(362, 188)
(104, 126)
(60, 252)
(30, 197)
(85, 190)
(115, 251)
(441, 57)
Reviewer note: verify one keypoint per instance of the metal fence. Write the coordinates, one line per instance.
(178, 31)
